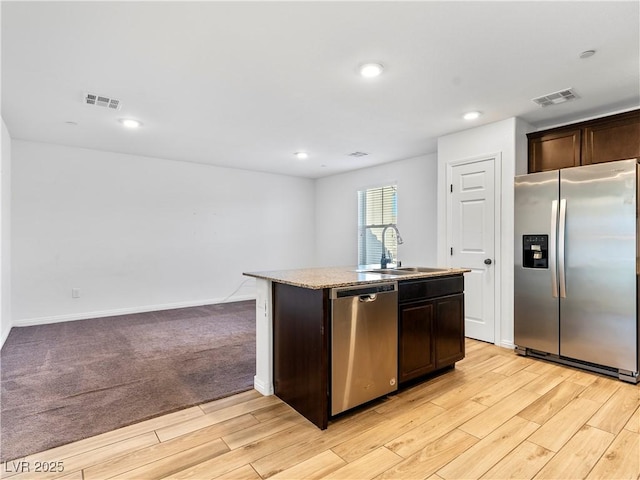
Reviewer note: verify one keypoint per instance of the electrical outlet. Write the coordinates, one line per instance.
(75, 293)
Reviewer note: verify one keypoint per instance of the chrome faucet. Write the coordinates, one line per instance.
(385, 260)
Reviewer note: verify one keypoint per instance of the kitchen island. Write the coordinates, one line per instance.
(293, 321)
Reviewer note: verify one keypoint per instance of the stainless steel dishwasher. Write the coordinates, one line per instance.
(364, 344)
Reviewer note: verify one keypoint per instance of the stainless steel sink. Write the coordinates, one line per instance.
(404, 270)
(390, 271)
(423, 269)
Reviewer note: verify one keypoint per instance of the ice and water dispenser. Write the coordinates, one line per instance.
(535, 251)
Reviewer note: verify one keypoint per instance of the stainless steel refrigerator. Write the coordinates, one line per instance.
(576, 267)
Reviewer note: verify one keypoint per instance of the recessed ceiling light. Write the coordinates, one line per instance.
(130, 122)
(587, 54)
(371, 70)
(471, 115)
(301, 155)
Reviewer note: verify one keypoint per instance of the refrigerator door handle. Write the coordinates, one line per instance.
(561, 235)
(552, 248)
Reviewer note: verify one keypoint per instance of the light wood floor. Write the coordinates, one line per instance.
(497, 415)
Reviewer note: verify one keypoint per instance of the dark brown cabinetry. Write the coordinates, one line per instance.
(301, 350)
(611, 140)
(449, 331)
(555, 150)
(430, 336)
(607, 139)
(416, 351)
(430, 325)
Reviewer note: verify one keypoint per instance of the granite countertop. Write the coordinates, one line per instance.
(330, 277)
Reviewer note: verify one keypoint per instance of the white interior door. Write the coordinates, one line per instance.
(472, 242)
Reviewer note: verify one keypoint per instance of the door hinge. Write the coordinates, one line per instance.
(451, 251)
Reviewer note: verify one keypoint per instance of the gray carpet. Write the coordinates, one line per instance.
(67, 381)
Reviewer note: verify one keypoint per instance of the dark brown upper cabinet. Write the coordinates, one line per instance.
(607, 139)
(617, 139)
(554, 150)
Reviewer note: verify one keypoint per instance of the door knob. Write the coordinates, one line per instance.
(487, 261)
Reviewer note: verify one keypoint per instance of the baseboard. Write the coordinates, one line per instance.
(507, 344)
(4, 337)
(262, 387)
(27, 322)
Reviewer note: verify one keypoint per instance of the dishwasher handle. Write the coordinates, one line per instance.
(368, 298)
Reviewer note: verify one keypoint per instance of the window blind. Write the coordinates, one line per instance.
(377, 209)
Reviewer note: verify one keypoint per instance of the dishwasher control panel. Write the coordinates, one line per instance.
(356, 290)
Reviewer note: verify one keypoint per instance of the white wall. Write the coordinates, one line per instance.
(136, 233)
(5, 235)
(337, 211)
(508, 139)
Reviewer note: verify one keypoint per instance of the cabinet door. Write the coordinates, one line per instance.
(610, 141)
(416, 354)
(449, 330)
(553, 151)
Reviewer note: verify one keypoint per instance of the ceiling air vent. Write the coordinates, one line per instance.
(102, 101)
(556, 97)
(358, 154)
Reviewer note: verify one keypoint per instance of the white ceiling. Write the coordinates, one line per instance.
(247, 84)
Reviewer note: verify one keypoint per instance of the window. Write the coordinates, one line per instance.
(377, 209)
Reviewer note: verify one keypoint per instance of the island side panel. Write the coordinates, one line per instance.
(300, 350)
(263, 380)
